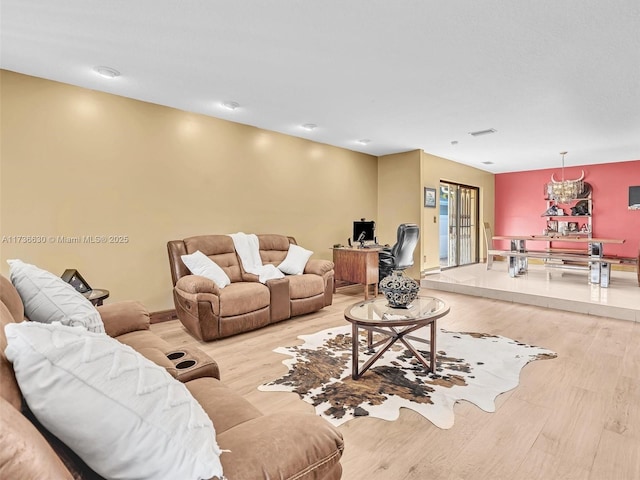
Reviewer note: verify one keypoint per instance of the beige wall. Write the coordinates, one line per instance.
(399, 199)
(401, 181)
(435, 169)
(77, 162)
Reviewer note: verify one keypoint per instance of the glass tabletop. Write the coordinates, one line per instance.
(378, 311)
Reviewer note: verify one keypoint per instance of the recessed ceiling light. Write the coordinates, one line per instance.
(487, 163)
(230, 105)
(364, 141)
(454, 142)
(483, 132)
(106, 72)
(309, 126)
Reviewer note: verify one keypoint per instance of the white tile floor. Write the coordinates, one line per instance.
(551, 288)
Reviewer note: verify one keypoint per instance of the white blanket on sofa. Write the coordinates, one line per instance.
(248, 249)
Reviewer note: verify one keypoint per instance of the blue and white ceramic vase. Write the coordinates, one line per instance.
(399, 289)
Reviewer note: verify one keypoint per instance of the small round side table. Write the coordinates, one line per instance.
(96, 296)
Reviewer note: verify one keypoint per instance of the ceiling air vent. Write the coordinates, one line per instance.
(487, 163)
(482, 132)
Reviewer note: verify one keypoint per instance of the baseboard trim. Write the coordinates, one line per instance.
(163, 316)
(430, 270)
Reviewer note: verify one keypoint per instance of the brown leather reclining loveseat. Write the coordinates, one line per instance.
(209, 312)
(255, 446)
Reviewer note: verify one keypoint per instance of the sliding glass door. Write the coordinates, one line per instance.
(459, 231)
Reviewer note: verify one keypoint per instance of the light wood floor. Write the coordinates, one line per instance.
(574, 417)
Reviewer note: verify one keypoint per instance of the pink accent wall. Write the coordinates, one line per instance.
(519, 203)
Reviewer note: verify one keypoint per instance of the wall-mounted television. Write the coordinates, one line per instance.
(364, 231)
(634, 198)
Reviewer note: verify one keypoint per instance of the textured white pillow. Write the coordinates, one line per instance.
(47, 298)
(199, 264)
(295, 261)
(125, 416)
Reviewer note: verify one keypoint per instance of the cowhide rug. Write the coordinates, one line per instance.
(476, 367)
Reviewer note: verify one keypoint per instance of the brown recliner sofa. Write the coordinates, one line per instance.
(283, 445)
(209, 312)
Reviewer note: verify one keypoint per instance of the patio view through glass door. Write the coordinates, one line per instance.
(459, 231)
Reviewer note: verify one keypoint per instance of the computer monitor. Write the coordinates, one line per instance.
(362, 227)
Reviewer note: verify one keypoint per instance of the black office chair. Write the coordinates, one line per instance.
(400, 256)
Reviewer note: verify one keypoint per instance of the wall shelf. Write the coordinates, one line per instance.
(570, 224)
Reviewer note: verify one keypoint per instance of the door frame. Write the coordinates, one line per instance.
(474, 222)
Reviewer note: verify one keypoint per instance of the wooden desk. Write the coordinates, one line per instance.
(357, 265)
(599, 265)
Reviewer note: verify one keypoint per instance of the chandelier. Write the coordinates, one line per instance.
(564, 191)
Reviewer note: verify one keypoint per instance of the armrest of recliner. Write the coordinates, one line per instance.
(124, 317)
(197, 284)
(280, 306)
(281, 445)
(318, 266)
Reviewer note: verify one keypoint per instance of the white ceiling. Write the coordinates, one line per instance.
(548, 75)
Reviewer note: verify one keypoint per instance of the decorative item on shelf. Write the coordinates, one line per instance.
(586, 190)
(553, 211)
(399, 289)
(565, 191)
(580, 208)
(563, 228)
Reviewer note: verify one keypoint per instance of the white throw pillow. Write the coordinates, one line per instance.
(125, 416)
(47, 298)
(295, 261)
(199, 264)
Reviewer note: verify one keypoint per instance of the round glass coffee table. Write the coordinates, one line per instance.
(395, 324)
